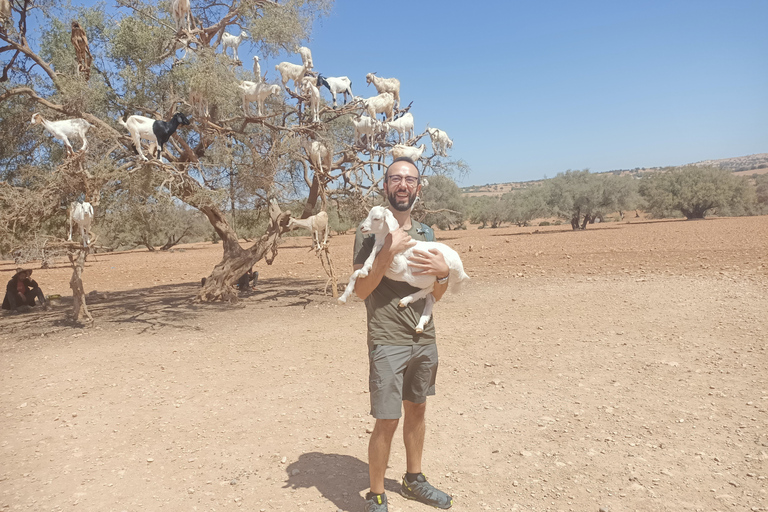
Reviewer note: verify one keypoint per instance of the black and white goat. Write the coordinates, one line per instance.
(336, 85)
(153, 130)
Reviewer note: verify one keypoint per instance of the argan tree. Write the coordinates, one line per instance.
(694, 191)
(225, 160)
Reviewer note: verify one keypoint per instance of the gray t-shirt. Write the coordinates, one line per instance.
(389, 324)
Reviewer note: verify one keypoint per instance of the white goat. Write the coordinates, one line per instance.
(365, 125)
(340, 84)
(440, 141)
(319, 156)
(306, 57)
(82, 215)
(391, 85)
(380, 222)
(62, 130)
(182, 14)
(317, 224)
(402, 125)
(257, 68)
(307, 86)
(258, 92)
(290, 71)
(400, 150)
(230, 41)
(383, 103)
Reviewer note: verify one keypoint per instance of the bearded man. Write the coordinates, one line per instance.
(402, 362)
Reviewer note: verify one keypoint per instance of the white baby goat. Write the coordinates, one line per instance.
(62, 130)
(258, 92)
(402, 125)
(401, 150)
(290, 71)
(318, 155)
(82, 215)
(380, 222)
(257, 68)
(230, 41)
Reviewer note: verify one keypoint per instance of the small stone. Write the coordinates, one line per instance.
(191, 491)
(282, 461)
(150, 460)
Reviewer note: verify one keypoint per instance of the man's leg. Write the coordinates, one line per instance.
(414, 426)
(378, 453)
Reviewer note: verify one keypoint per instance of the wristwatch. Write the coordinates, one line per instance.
(443, 280)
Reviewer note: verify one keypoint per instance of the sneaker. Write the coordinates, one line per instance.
(423, 491)
(376, 503)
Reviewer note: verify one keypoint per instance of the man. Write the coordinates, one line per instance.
(21, 290)
(403, 363)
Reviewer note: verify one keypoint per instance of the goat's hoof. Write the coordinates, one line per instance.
(342, 300)
(419, 330)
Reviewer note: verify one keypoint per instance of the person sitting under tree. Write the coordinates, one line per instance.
(22, 290)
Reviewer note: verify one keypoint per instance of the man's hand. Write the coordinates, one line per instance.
(398, 241)
(429, 262)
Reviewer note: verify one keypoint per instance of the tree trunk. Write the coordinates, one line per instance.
(79, 307)
(236, 261)
(575, 221)
(584, 223)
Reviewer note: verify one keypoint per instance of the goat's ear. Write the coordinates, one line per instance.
(391, 221)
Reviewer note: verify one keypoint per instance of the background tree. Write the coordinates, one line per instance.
(695, 192)
(443, 204)
(524, 205)
(486, 210)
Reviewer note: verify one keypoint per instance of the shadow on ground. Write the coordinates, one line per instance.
(341, 479)
(149, 309)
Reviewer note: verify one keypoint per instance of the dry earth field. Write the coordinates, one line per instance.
(624, 368)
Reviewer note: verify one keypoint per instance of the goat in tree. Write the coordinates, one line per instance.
(257, 68)
(440, 141)
(401, 150)
(82, 51)
(258, 92)
(365, 125)
(336, 85)
(306, 57)
(182, 14)
(230, 41)
(318, 155)
(382, 103)
(317, 224)
(152, 130)
(403, 125)
(82, 215)
(290, 71)
(314, 97)
(390, 85)
(62, 130)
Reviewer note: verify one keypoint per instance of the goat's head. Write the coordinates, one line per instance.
(37, 118)
(256, 58)
(244, 35)
(380, 221)
(369, 77)
(181, 118)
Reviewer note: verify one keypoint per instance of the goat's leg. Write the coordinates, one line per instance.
(415, 296)
(137, 144)
(70, 226)
(350, 287)
(427, 314)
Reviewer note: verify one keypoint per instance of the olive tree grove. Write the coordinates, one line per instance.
(103, 66)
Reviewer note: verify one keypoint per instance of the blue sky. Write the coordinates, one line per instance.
(530, 89)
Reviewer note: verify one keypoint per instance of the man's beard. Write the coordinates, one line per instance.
(402, 206)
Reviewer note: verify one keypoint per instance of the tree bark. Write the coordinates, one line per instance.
(79, 307)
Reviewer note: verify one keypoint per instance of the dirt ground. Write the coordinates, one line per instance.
(624, 368)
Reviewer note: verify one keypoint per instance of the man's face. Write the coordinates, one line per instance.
(400, 193)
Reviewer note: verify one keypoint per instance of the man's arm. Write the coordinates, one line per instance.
(396, 242)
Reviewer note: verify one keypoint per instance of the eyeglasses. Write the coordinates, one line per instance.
(410, 181)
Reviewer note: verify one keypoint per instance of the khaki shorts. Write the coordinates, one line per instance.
(400, 373)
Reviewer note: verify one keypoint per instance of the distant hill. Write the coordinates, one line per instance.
(751, 164)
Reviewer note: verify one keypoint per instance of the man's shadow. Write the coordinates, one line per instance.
(339, 478)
